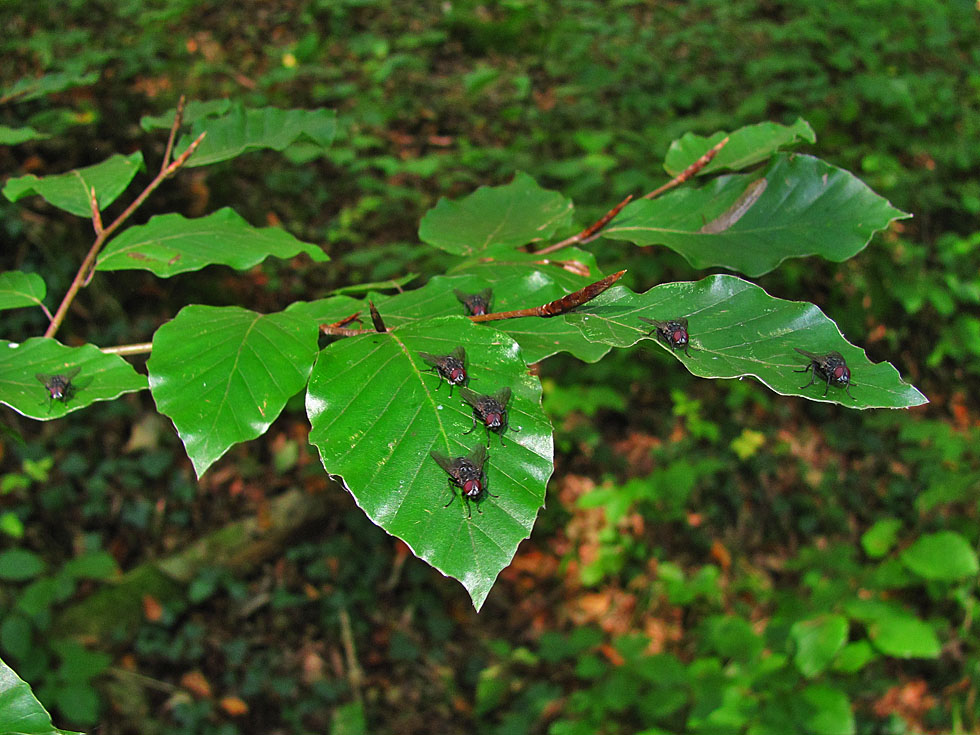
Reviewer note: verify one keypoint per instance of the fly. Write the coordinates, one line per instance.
(477, 304)
(490, 410)
(466, 473)
(672, 332)
(451, 367)
(830, 367)
(59, 386)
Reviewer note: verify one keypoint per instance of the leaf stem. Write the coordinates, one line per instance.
(88, 265)
(690, 171)
(134, 349)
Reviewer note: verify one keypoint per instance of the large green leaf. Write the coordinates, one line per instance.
(20, 712)
(746, 146)
(223, 375)
(70, 191)
(737, 329)
(100, 377)
(496, 217)
(799, 206)
(376, 414)
(946, 556)
(19, 289)
(243, 130)
(170, 244)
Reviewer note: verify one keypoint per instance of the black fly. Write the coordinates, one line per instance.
(477, 303)
(466, 473)
(830, 367)
(59, 386)
(490, 410)
(452, 367)
(672, 332)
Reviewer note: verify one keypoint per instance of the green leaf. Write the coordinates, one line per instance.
(100, 377)
(904, 637)
(854, 656)
(390, 284)
(16, 136)
(746, 146)
(170, 244)
(330, 310)
(944, 556)
(737, 329)
(880, 538)
(496, 217)
(20, 712)
(93, 565)
(223, 375)
(829, 711)
(817, 642)
(751, 223)
(243, 130)
(19, 289)
(31, 88)
(193, 111)
(18, 565)
(376, 414)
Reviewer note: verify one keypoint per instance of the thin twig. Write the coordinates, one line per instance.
(560, 306)
(590, 233)
(354, 671)
(344, 331)
(96, 214)
(88, 265)
(355, 317)
(690, 171)
(136, 349)
(178, 119)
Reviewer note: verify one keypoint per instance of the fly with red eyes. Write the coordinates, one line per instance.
(830, 367)
(59, 387)
(451, 367)
(672, 332)
(490, 410)
(466, 473)
(477, 304)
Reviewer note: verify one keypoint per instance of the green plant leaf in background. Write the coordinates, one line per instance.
(737, 329)
(895, 631)
(19, 289)
(376, 415)
(746, 146)
(223, 374)
(830, 711)
(70, 191)
(944, 556)
(17, 565)
(33, 87)
(101, 377)
(20, 712)
(817, 642)
(880, 538)
(243, 130)
(496, 217)
(170, 244)
(193, 111)
(16, 136)
(799, 206)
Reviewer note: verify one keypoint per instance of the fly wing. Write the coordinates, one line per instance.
(430, 359)
(443, 461)
(811, 355)
(654, 322)
(503, 396)
(45, 379)
(70, 374)
(478, 456)
(683, 322)
(470, 396)
(838, 356)
(460, 295)
(459, 353)
(487, 295)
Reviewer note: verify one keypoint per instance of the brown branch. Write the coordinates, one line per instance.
(379, 324)
(561, 306)
(178, 119)
(590, 233)
(347, 320)
(343, 331)
(136, 349)
(690, 171)
(88, 265)
(96, 214)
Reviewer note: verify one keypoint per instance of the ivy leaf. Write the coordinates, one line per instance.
(746, 146)
(243, 130)
(224, 374)
(70, 191)
(20, 712)
(736, 330)
(376, 414)
(100, 377)
(751, 223)
(496, 217)
(170, 244)
(18, 289)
